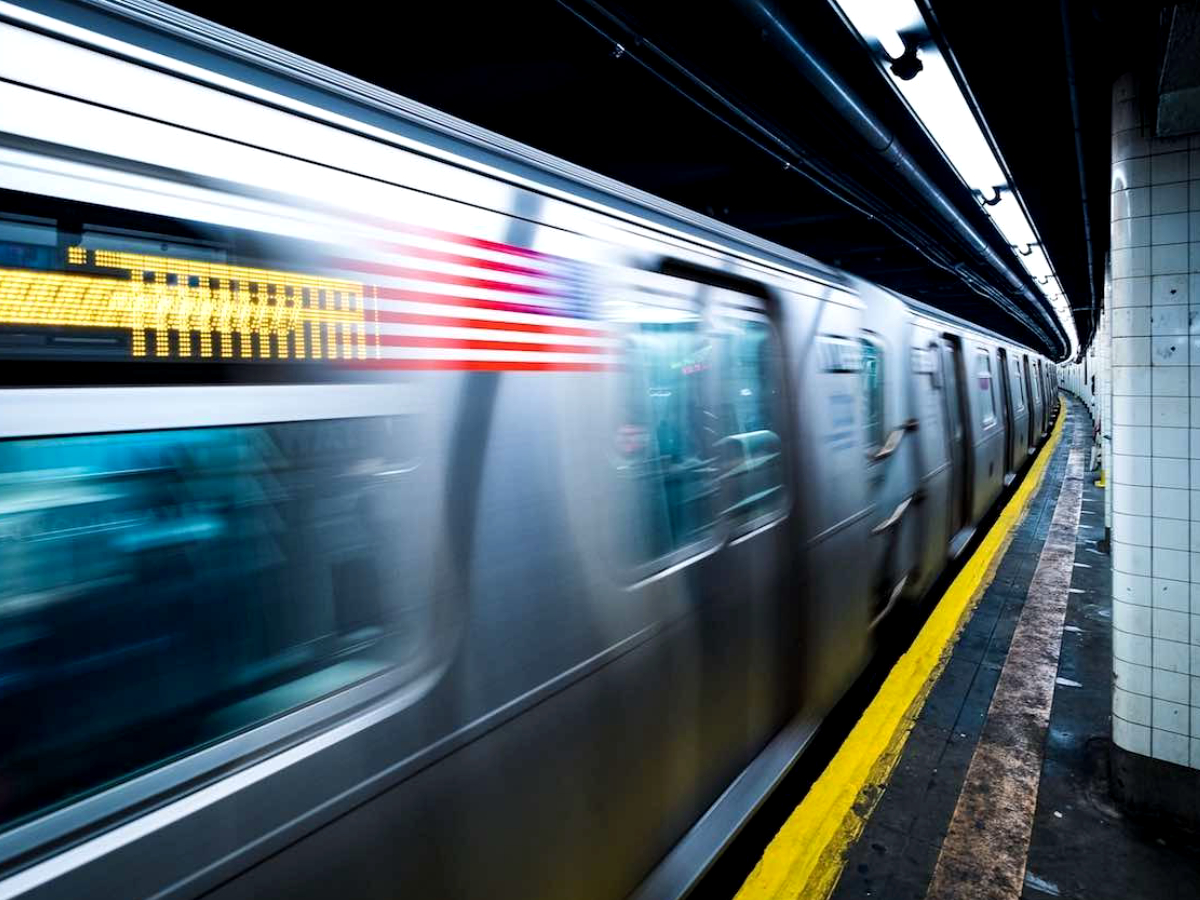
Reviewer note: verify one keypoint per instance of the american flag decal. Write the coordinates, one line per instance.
(440, 300)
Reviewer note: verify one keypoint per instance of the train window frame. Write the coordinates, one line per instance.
(32, 414)
(983, 361)
(873, 443)
(88, 816)
(92, 394)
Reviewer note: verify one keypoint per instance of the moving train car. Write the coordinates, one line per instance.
(387, 506)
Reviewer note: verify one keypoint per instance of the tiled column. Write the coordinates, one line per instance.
(1104, 385)
(1094, 380)
(1155, 428)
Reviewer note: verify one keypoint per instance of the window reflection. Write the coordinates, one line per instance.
(701, 429)
(872, 378)
(985, 386)
(165, 589)
(752, 401)
(669, 368)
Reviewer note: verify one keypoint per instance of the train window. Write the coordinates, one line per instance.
(986, 389)
(670, 425)
(1020, 384)
(170, 587)
(872, 387)
(751, 399)
(164, 590)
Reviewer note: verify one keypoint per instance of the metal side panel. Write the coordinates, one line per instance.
(692, 857)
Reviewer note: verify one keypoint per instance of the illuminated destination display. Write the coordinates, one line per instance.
(182, 308)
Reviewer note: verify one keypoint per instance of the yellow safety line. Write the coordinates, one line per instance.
(805, 859)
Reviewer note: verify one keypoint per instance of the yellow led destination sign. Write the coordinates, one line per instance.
(274, 314)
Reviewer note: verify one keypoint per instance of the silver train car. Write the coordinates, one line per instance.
(387, 506)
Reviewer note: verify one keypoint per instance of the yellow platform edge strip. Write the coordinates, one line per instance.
(805, 859)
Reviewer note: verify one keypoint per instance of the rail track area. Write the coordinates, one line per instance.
(973, 762)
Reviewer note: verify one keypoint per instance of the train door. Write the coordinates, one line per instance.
(1006, 414)
(956, 434)
(707, 435)
(1039, 389)
(1048, 393)
(755, 625)
(875, 371)
(987, 439)
(936, 478)
(1035, 379)
(1020, 435)
(1039, 402)
(1044, 390)
(671, 533)
(1035, 406)
(1047, 396)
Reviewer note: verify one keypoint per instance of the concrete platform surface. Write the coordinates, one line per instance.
(986, 800)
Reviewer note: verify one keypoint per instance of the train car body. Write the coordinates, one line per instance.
(390, 506)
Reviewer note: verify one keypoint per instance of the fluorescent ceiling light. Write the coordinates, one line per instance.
(1037, 264)
(882, 21)
(1010, 219)
(934, 96)
(936, 101)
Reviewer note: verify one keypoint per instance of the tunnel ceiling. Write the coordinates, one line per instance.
(694, 104)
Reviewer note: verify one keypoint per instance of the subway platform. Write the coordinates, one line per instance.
(993, 782)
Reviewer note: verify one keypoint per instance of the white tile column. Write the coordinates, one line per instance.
(1104, 384)
(1155, 428)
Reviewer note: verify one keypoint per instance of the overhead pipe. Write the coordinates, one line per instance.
(879, 138)
(1087, 223)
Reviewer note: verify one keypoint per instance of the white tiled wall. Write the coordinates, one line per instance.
(1154, 472)
(1103, 342)
(1079, 377)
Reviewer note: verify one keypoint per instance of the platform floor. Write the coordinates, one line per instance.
(999, 788)
(1080, 845)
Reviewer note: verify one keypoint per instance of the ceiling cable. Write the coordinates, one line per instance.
(793, 158)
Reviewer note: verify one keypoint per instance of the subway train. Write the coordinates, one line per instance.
(386, 506)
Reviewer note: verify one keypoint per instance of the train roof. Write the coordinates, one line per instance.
(940, 315)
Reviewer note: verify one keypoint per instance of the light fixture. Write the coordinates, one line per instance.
(881, 22)
(939, 104)
(908, 65)
(1037, 264)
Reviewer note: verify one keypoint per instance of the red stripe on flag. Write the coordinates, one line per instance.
(392, 271)
(390, 293)
(476, 365)
(460, 260)
(455, 322)
(478, 243)
(404, 340)
(451, 237)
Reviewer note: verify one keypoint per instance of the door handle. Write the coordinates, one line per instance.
(892, 598)
(895, 517)
(893, 440)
